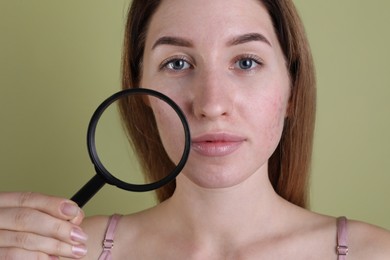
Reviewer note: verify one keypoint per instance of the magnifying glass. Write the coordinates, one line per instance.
(113, 151)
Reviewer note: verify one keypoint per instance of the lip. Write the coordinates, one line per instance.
(217, 144)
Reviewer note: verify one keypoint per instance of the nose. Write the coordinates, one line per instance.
(213, 96)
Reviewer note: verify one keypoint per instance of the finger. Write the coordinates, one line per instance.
(33, 221)
(17, 253)
(78, 219)
(57, 207)
(36, 243)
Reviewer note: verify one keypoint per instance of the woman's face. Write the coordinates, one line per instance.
(221, 62)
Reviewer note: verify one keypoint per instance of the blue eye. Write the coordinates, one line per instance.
(247, 63)
(177, 64)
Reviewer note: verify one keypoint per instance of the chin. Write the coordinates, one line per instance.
(218, 178)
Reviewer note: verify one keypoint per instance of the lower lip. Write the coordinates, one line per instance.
(215, 149)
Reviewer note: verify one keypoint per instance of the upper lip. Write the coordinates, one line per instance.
(218, 137)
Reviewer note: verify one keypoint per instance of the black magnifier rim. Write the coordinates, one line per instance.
(100, 169)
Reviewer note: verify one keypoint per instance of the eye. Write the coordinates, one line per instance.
(247, 63)
(176, 64)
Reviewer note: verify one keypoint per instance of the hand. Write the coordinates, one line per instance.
(36, 226)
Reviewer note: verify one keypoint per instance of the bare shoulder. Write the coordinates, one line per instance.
(127, 234)
(368, 241)
(95, 228)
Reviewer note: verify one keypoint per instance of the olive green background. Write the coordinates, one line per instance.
(60, 59)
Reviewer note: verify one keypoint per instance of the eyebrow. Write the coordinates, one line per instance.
(170, 40)
(248, 37)
(182, 42)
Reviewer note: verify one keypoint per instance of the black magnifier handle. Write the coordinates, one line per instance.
(89, 190)
(102, 175)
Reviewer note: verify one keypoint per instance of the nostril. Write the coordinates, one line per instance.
(212, 102)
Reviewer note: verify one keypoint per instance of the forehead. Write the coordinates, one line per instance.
(208, 20)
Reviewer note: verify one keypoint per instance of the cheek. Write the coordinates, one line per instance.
(279, 119)
(270, 120)
(280, 108)
(170, 129)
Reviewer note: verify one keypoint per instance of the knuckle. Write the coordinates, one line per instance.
(5, 254)
(22, 240)
(21, 218)
(8, 255)
(59, 228)
(58, 247)
(24, 198)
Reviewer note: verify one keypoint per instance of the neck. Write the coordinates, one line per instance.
(225, 213)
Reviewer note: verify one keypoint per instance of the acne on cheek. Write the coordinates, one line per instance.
(279, 108)
(274, 132)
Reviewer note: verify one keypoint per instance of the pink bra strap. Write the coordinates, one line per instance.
(342, 248)
(108, 241)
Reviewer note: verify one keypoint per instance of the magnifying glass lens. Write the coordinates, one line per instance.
(150, 136)
(138, 140)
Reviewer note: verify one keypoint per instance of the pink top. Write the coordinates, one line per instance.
(108, 242)
(342, 248)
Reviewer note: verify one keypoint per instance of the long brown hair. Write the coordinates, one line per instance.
(289, 165)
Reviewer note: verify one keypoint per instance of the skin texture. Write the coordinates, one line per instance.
(235, 93)
(224, 206)
(217, 96)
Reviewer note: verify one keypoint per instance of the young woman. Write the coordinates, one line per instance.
(242, 73)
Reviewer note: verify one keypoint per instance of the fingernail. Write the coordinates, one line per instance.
(78, 236)
(70, 209)
(79, 250)
(54, 257)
